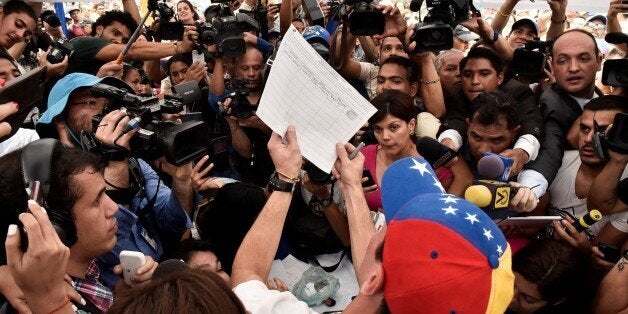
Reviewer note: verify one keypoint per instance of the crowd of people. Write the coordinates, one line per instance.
(114, 155)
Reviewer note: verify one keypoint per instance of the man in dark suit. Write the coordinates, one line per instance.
(575, 59)
(483, 71)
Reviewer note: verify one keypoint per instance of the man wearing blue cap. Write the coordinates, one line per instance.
(526, 29)
(146, 205)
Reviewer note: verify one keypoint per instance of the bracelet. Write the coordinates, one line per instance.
(67, 300)
(297, 179)
(559, 22)
(502, 14)
(429, 82)
(176, 47)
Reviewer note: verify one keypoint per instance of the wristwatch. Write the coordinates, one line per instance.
(495, 37)
(276, 184)
(326, 202)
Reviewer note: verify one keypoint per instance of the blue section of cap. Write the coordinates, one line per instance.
(405, 179)
(316, 33)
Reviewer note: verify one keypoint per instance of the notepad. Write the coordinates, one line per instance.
(304, 91)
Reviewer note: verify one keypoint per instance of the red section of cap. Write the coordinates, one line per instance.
(431, 268)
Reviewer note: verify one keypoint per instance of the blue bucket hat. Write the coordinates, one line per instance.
(61, 91)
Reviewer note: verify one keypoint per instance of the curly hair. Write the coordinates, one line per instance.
(112, 16)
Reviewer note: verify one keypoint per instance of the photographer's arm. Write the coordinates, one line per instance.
(487, 33)
(603, 192)
(145, 50)
(258, 249)
(285, 17)
(335, 217)
(558, 19)
(503, 15)
(132, 8)
(350, 67)
(109, 132)
(430, 88)
(217, 87)
(613, 25)
(369, 48)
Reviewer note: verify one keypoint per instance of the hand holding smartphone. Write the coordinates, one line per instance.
(130, 262)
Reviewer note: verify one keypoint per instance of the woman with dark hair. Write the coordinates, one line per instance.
(186, 12)
(393, 126)
(551, 277)
(182, 291)
(18, 22)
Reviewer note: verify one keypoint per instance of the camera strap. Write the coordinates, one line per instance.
(90, 143)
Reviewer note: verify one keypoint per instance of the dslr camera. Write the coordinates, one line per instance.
(530, 60)
(226, 33)
(365, 20)
(59, 49)
(615, 72)
(240, 106)
(178, 143)
(436, 32)
(617, 139)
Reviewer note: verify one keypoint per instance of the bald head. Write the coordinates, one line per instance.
(576, 59)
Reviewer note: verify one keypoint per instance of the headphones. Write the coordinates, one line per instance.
(37, 166)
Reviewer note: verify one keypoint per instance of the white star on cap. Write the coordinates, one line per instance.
(438, 185)
(450, 210)
(500, 250)
(472, 218)
(487, 234)
(449, 199)
(419, 166)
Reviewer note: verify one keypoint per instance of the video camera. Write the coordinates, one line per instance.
(179, 143)
(615, 72)
(436, 32)
(226, 32)
(364, 19)
(617, 139)
(240, 106)
(530, 60)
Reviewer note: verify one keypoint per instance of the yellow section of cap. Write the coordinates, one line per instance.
(502, 285)
(595, 214)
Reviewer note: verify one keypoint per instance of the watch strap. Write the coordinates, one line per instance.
(276, 184)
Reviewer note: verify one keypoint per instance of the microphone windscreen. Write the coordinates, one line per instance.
(479, 195)
(434, 152)
(490, 167)
(616, 38)
(169, 266)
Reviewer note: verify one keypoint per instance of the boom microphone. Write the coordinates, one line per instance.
(434, 152)
(587, 220)
(494, 167)
(490, 195)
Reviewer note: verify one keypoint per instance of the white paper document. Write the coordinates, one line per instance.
(304, 91)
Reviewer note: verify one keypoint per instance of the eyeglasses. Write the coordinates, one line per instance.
(97, 104)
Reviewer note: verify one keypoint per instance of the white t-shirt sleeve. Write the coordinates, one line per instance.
(257, 298)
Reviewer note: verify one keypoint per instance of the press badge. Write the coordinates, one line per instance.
(148, 238)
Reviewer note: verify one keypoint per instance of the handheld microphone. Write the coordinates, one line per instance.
(434, 152)
(495, 167)
(617, 38)
(490, 195)
(587, 220)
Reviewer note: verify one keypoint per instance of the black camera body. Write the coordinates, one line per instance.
(617, 139)
(365, 20)
(436, 32)
(226, 32)
(178, 143)
(530, 60)
(59, 49)
(615, 72)
(240, 106)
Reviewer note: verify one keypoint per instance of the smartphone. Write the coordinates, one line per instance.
(367, 174)
(130, 262)
(611, 253)
(197, 56)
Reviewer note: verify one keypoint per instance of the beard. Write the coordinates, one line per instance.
(80, 123)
